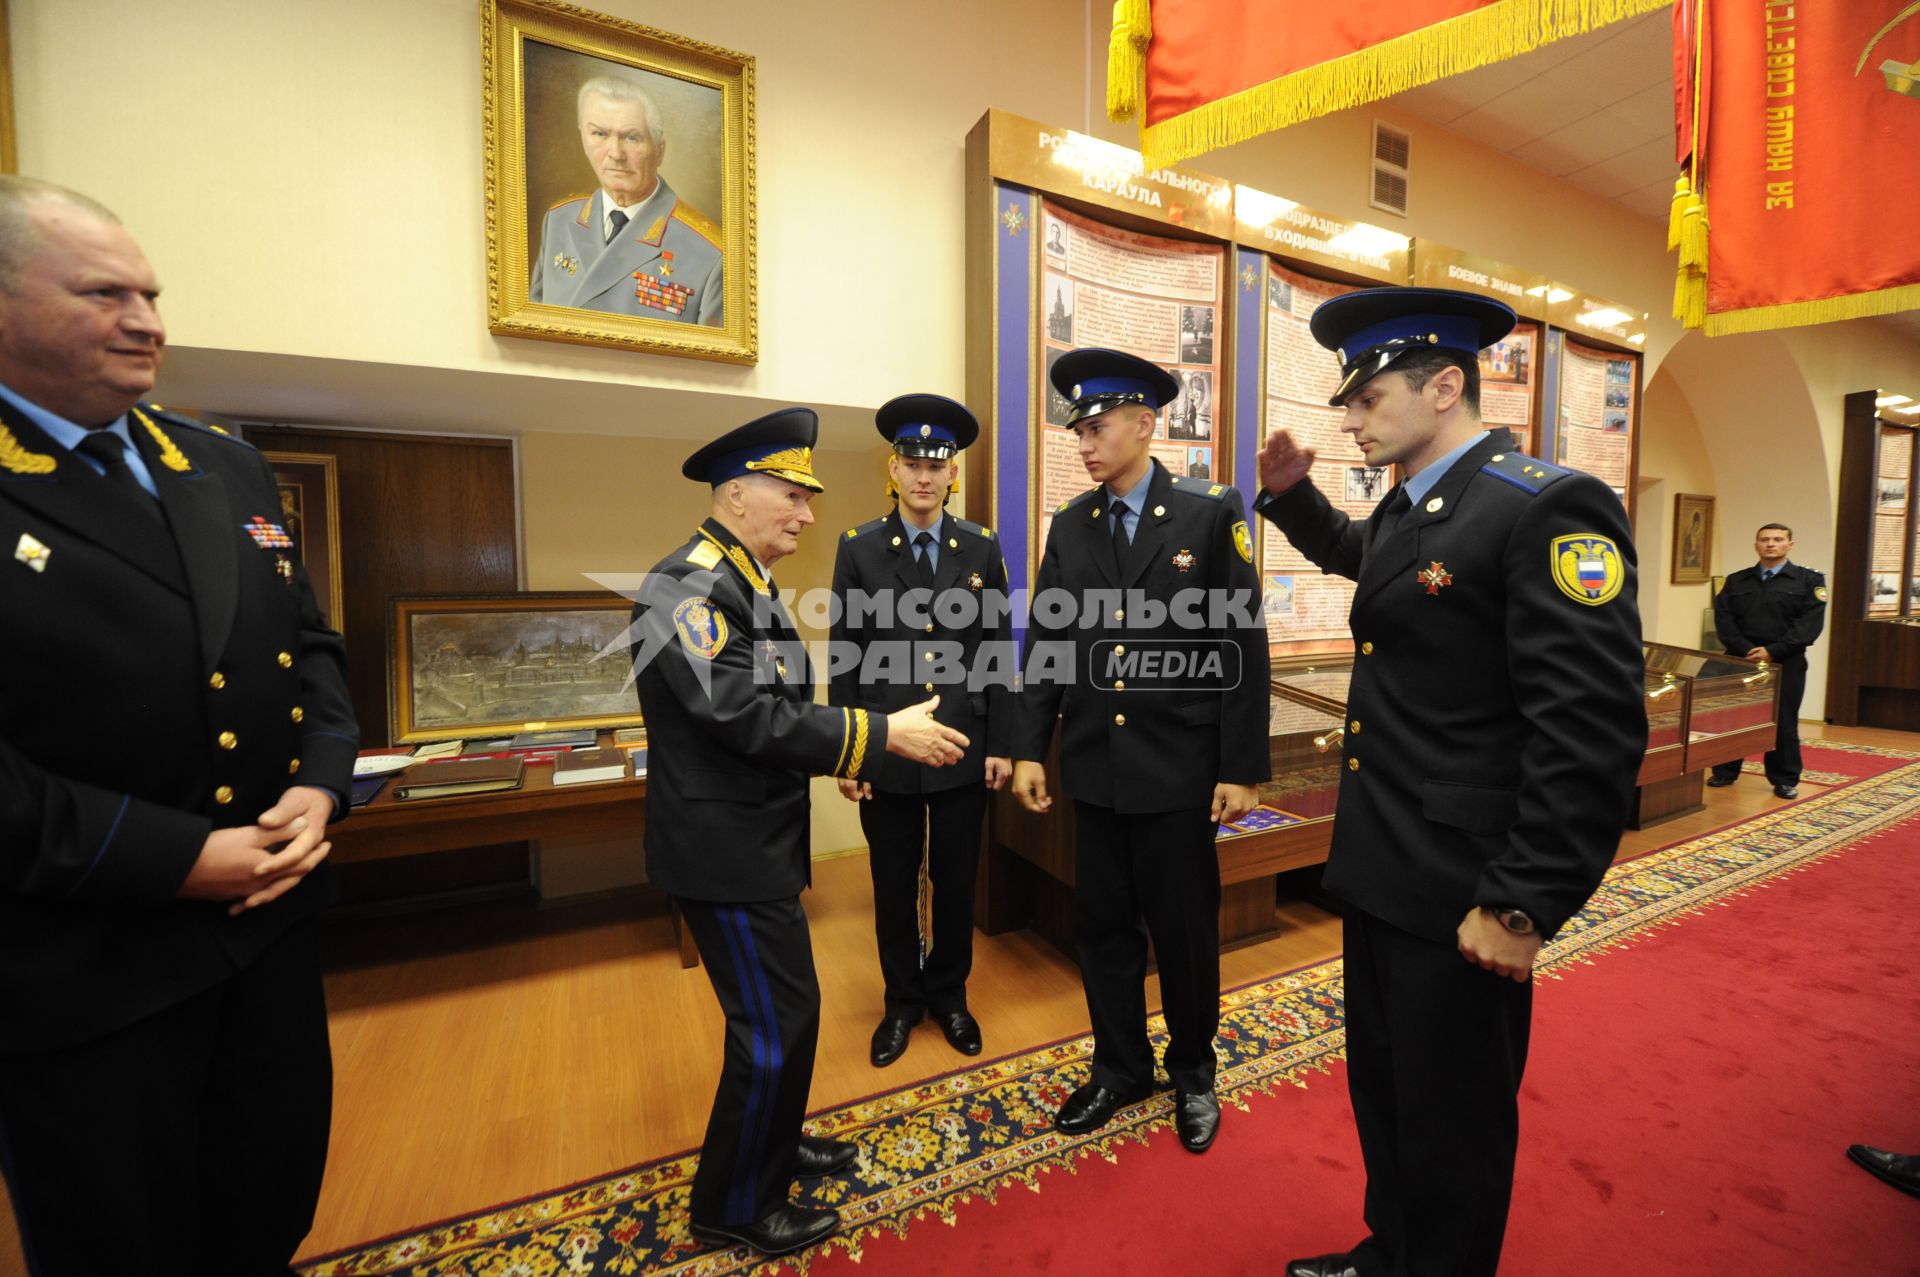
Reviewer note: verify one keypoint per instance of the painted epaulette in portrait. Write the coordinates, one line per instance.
(1529, 474)
(871, 525)
(584, 201)
(1204, 488)
(697, 222)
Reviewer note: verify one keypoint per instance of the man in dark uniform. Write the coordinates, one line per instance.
(1156, 668)
(727, 691)
(175, 736)
(1773, 612)
(1495, 729)
(921, 601)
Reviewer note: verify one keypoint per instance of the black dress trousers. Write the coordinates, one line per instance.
(1782, 762)
(187, 1144)
(1162, 867)
(1435, 1050)
(946, 823)
(759, 958)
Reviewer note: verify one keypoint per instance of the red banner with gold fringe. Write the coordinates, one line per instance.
(1214, 72)
(1810, 111)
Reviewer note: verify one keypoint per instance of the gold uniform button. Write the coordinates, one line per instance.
(285, 659)
(929, 627)
(299, 715)
(1354, 726)
(218, 681)
(1499, 456)
(1366, 649)
(1119, 614)
(929, 687)
(223, 795)
(1353, 764)
(293, 767)
(1119, 720)
(1119, 649)
(228, 740)
(929, 656)
(1119, 684)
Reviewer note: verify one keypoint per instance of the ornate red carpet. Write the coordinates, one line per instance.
(1694, 1082)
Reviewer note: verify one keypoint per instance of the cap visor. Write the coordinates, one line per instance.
(1360, 374)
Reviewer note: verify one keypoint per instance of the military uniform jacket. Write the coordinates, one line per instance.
(153, 688)
(727, 692)
(1141, 747)
(972, 661)
(665, 264)
(1496, 722)
(1783, 615)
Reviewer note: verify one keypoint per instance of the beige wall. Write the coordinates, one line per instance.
(308, 180)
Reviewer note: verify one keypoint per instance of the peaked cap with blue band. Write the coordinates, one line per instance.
(1094, 380)
(931, 426)
(779, 444)
(1375, 326)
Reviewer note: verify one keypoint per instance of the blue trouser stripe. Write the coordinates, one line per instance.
(765, 1032)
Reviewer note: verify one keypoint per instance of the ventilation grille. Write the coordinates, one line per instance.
(1392, 154)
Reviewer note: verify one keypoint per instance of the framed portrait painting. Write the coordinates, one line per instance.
(310, 512)
(462, 665)
(1692, 538)
(619, 184)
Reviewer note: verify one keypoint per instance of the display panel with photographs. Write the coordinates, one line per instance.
(1893, 478)
(1509, 384)
(1597, 392)
(1149, 295)
(1306, 610)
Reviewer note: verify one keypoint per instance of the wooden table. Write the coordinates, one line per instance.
(538, 809)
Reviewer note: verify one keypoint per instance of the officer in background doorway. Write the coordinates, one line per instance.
(1773, 611)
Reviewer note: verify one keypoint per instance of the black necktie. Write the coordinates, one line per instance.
(1397, 504)
(107, 448)
(616, 219)
(923, 556)
(1119, 513)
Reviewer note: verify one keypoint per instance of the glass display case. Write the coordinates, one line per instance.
(1732, 704)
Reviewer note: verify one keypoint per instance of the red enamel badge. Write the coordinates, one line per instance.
(1435, 576)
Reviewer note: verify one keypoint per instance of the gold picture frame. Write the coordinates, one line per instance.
(499, 664)
(682, 278)
(1692, 538)
(310, 512)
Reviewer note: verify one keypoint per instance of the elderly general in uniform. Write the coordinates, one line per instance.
(175, 736)
(727, 691)
(1495, 729)
(922, 608)
(1153, 764)
(632, 247)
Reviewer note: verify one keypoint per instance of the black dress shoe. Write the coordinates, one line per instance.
(816, 1157)
(1786, 791)
(780, 1231)
(890, 1040)
(1902, 1170)
(1196, 1115)
(1340, 1265)
(1719, 782)
(1092, 1107)
(962, 1030)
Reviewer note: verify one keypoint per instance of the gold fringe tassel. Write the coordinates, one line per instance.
(1681, 189)
(1825, 310)
(1490, 34)
(1693, 234)
(1127, 57)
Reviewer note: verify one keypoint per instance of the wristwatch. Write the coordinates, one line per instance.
(1515, 920)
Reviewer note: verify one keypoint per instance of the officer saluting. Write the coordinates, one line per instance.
(1773, 611)
(728, 696)
(1153, 764)
(1495, 729)
(922, 608)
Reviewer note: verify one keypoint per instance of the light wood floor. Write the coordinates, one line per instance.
(502, 1051)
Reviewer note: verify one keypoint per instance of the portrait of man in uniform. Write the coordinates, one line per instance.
(624, 189)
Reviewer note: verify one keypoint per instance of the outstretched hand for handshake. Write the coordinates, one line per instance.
(913, 733)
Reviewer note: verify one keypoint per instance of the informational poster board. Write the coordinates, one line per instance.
(1305, 608)
(1892, 498)
(1151, 296)
(1509, 373)
(1597, 406)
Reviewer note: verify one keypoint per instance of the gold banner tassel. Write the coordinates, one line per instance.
(1127, 57)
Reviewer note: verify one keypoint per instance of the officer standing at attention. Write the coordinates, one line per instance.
(894, 646)
(1773, 611)
(727, 692)
(1495, 729)
(1154, 764)
(175, 737)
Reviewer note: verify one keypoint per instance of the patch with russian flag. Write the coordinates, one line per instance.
(1587, 568)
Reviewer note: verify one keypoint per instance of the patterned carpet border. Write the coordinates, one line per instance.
(926, 1149)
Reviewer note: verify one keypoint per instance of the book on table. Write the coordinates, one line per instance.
(582, 766)
(449, 777)
(581, 738)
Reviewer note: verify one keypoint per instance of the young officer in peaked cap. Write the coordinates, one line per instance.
(1153, 765)
(922, 609)
(728, 696)
(1495, 730)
